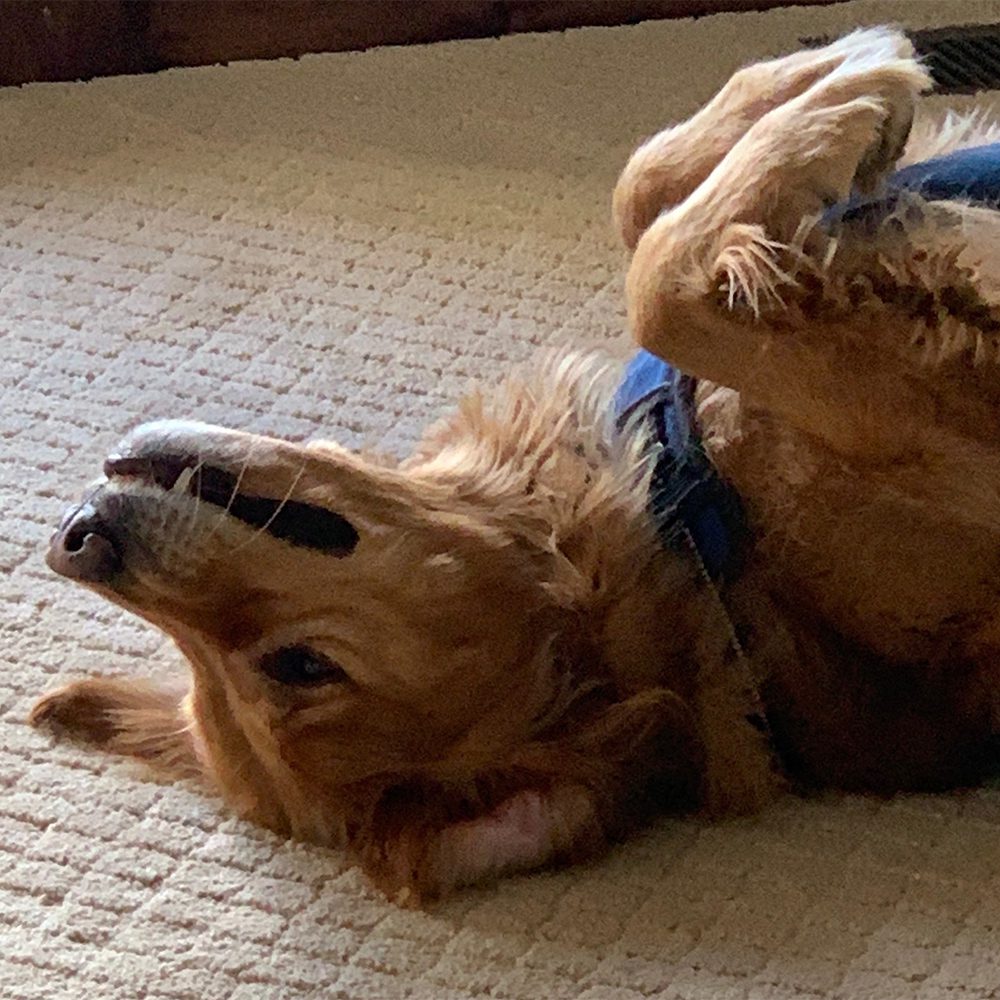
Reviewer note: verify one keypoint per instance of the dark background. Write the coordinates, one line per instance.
(78, 39)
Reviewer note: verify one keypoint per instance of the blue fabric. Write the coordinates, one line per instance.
(970, 175)
(688, 498)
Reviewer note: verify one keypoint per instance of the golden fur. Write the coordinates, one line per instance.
(523, 672)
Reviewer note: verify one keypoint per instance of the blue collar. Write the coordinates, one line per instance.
(690, 502)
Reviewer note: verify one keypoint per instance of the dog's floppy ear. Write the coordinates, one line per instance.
(652, 735)
(556, 801)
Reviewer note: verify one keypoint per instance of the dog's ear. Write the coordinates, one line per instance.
(556, 801)
(422, 838)
(651, 738)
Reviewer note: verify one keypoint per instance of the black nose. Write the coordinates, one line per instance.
(84, 548)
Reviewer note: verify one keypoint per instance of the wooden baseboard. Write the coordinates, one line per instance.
(79, 39)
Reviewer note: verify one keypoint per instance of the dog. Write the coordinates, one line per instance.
(514, 647)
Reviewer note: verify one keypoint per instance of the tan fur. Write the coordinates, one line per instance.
(528, 672)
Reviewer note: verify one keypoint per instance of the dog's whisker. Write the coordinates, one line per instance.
(186, 477)
(234, 493)
(198, 488)
(277, 510)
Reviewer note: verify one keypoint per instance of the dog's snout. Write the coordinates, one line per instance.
(83, 548)
(165, 441)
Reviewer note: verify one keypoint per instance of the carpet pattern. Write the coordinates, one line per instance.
(336, 247)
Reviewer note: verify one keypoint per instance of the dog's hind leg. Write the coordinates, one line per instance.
(124, 716)
(665, 169)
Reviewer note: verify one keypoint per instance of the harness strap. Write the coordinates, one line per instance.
(688, 498)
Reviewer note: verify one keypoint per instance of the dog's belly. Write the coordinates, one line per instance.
(907, 586)
(908, 583)
(881, 684)
(842, 717)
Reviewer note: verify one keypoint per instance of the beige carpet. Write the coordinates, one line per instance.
(337, 246)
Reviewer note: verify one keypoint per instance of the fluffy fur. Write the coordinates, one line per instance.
(523, 672)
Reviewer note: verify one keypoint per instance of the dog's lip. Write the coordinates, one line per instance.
(160, 470)
(206, 482)
(294, 521)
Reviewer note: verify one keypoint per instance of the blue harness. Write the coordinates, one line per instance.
(690, 502)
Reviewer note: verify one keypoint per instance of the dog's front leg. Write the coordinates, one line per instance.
(706, 281)
(124, 716)
(724, 287)
(668, 167)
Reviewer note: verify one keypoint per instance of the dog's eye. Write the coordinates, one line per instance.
(301, 666)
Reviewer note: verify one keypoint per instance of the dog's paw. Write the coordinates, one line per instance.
(668, 168)
(761, 87)
(86, 710)
(398, 869)
(843, 133)
(743, 788)
(868, 105)
(894, 81)
(742, 778)
(833, 119)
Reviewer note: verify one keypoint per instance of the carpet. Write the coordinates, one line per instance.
(338, 246)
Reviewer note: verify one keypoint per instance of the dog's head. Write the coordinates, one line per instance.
(380, 647)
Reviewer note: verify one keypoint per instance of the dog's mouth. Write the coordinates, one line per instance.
(91, 543)
(183, 474)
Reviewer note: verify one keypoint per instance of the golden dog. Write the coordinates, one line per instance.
(485, 659)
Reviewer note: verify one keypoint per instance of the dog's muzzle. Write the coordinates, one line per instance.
(90, 543)
(190, 462)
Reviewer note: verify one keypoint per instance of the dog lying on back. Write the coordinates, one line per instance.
(489, 657)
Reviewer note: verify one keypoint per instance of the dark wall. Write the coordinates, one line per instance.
(77, 39)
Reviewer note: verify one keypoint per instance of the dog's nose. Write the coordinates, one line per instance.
(83, 548)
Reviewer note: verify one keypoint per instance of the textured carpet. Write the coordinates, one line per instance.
(337, 246)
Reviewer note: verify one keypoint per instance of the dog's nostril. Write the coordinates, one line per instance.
(74, 538)
(84, 548)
